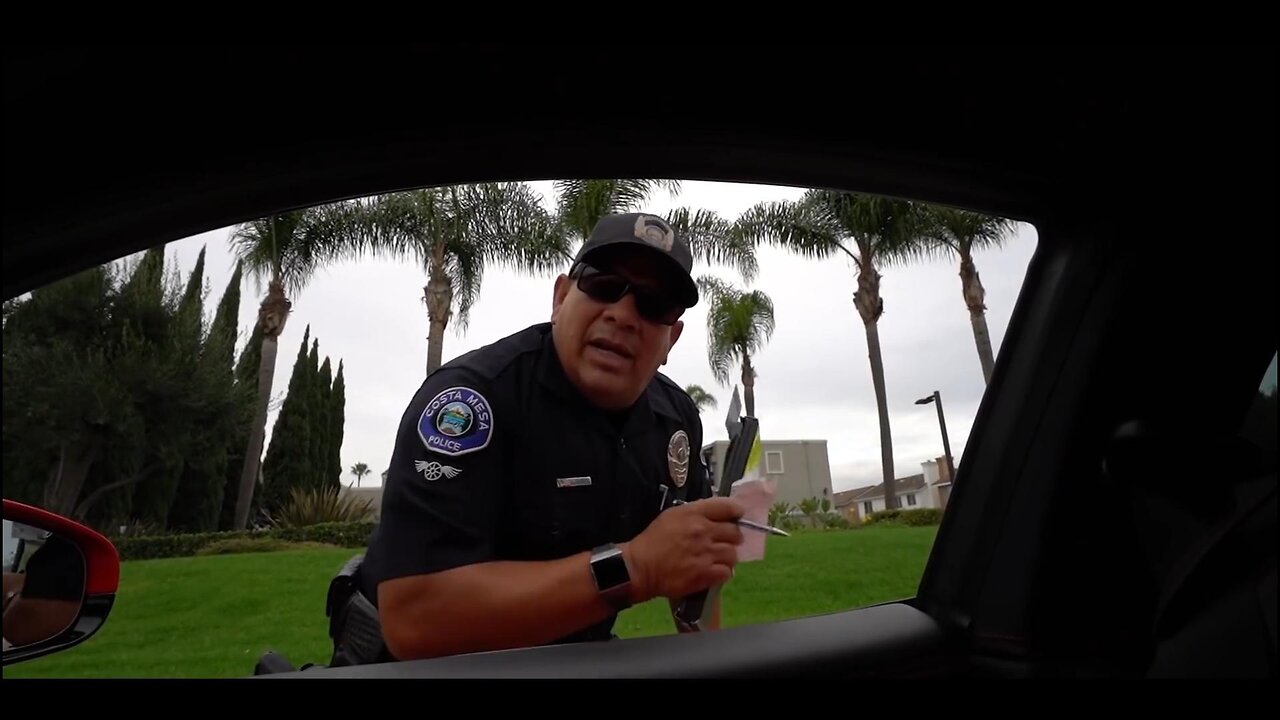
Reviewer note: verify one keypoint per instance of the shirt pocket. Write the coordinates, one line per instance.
(559, 517)
(577, 516)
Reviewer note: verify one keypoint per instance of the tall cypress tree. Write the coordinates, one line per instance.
(200, 494)
(188, 327)
(337, 411)
(307, 478)
(288, 460)
(320, 426)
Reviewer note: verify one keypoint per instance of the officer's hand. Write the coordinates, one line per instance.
(688, 548)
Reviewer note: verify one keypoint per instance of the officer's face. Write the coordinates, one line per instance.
(610, 351)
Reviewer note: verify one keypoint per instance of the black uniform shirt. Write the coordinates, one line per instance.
(498, 457)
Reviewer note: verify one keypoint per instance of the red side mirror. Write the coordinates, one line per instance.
(60, 581)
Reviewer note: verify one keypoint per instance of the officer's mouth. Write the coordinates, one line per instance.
(611, 350)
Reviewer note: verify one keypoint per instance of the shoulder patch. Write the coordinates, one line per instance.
(456, 422)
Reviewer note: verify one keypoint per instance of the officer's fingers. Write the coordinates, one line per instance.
(726, 532)
(724, 554)
(719, 574)
(720, 508)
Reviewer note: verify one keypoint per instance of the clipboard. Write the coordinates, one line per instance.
(692, 611)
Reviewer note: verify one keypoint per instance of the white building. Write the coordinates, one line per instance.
(929, 489)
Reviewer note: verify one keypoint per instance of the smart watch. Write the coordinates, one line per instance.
(613, 582)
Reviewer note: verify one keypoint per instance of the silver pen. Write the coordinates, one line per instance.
(747, 523)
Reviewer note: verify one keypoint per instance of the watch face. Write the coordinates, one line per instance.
(610, 569)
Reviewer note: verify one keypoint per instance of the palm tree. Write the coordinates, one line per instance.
(961, 232)
(879, 230)
(454, 233)
(285, 249)
(701, 398)
(360, 470)
(739, 323)
(581, 203)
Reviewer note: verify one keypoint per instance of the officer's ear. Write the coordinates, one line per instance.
(676, 330)
(559, 294)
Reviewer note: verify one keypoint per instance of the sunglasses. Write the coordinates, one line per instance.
(606, 287)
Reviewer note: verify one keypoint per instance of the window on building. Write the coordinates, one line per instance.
(868, 508)
(911, 500)
(773, 462)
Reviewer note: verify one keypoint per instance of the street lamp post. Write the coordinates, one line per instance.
(936, 399)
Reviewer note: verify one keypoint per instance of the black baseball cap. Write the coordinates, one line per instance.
(651, 232)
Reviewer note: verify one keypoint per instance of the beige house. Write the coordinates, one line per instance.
(372, 493)
(800, 467)
(929, 489)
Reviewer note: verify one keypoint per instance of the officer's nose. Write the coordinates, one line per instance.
(623, 312)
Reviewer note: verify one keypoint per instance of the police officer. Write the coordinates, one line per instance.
(529, 494)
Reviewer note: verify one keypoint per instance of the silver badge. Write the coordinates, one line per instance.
(433, 470)
(678, 458)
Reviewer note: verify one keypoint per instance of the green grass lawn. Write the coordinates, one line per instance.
(214, 616)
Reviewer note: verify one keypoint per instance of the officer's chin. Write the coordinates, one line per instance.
(609, 391)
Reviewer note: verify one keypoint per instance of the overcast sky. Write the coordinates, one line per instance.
(814, 377)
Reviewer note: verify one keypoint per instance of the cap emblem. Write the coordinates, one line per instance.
(655, 232)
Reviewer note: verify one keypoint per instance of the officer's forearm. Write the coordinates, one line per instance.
(489, 606)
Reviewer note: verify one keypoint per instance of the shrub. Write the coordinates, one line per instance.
(809, 506)
(835, 521)
(882, 516)
(350, 535)
(778, 511)
(916, 517)
(340, 534)
(789, 523)
(235, 546)
(922, 516)
(257, 544)
(166, 546)
(314, 506)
